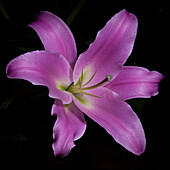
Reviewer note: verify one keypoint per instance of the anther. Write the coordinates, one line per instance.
(109, 77)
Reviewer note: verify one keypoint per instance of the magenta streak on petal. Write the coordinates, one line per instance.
(110, 50)
(59, 47)
(137, 149)
(70, 126)
(116, 116)
(55, 35)
(125, 130)
(134, 82)
(109, 43)
(43, 68)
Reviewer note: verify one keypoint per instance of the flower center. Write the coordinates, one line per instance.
(79, 88)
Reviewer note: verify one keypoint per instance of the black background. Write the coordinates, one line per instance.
(25, 120)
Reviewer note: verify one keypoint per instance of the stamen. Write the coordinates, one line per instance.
(78, 88)
(91, 95)
(69, 86)
(79, 84)
(90, 79)
(81, 81)
(108, 78)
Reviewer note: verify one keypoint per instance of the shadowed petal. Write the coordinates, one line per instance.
(55, 35)
(70, 126)
(110, 50)
(134, 82)
(43, 68)
(116, 116)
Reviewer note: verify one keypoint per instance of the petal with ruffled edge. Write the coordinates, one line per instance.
(70, 126)
(135, 82)
(43, 68)
(55, 35)
(110, 50)
(114, 115)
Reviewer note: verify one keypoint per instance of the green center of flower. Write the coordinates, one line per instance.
(79, 88)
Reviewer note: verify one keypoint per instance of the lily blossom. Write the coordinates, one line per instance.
(96, 84)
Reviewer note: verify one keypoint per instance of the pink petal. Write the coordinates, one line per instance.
(110, 50)
(116, 116)
(55, 35)
(134, 82)
(70, 126)
(43, 68)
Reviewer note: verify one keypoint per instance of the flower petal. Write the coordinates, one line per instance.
(134, 82)
(55, 35)
(43, 68)
(116, 116)
(70, 126)
(110, 50)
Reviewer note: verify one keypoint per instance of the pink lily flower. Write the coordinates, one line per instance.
(96, 83)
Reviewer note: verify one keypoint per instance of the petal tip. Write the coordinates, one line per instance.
(140, 152)
(9, 70)
(141, 148)
(62, 152)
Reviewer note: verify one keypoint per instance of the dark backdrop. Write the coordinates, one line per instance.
(25, 120)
